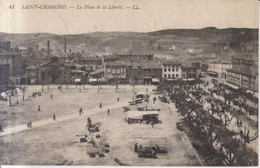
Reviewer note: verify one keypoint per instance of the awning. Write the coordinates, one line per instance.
(140, 114)
(77, 80)
(92, 80)
(189, 79)
(213, 73)
(232, 86)
(155, 80)
(250, 92)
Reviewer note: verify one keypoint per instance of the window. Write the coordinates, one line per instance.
(169, 69)
(173, 76)
(108, 69)
(169, 75)
(113, 71)
(165, 75)
(177, 69)
(177, 75)
(165, 69)
(173, 69)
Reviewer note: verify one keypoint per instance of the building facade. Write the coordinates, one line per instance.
(32, 74)
(189, 72)
(220, 69)
(4, 77)
(244, 73)
(54, 72)
(171, 70)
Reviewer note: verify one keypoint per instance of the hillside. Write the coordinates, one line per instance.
(207, 40)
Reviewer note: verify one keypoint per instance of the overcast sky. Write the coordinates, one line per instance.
(152, 15)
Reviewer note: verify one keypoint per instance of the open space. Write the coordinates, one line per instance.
(57, 142)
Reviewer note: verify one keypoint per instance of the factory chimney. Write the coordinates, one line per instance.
(48, 47)
(65, 46)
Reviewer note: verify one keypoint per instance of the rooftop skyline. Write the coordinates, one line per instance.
(152, 16)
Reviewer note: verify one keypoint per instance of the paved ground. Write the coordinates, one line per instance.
(51, 142)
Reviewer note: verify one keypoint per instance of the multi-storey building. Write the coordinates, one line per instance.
(189, 72)
(171, 70)
(244, 73)
(54, 72)
(4, 77)
(143, 72)
(220, 69)
(32, 74)
(115, 71)
(14, 60)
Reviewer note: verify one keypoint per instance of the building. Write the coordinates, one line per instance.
(91, 63)
(244, 73)
(32, 74)
(143, 72)
(115, 71)
(14, 60)
(5, 46)
(4, 77)
(171, 70)
(189, 72)
(54, 72)
(219, 69)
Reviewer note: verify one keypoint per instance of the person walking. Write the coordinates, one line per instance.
(108, 112)
(39, 108)
(100, 105)
(80, 111)
(118, 99)
(28, 124)
(1, 128)
(54, 117)
(51, 96)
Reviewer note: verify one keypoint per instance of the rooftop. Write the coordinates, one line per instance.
(243, 70)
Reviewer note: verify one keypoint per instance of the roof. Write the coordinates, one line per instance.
(90, 59)
(242, 70)
(97, 72)
(144, 65)
(9, 53)
(140, 114)
(32, 67)
(76, 71)
(171, 63)
(188, 67)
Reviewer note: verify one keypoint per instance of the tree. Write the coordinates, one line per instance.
(23, 89)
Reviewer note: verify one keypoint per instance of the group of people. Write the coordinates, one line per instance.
(29, 124)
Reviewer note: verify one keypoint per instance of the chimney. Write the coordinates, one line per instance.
(65, 46)
(48, 47)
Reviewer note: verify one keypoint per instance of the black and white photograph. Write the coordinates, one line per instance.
(129, 82)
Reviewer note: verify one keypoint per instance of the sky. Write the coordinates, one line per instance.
(153, 15)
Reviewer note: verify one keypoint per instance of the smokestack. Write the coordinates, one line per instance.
(48, 47)
(65, 46)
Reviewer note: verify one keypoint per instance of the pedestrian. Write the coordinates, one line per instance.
(136, 147)
(80, 111)
(28, 124)
(152, 123)
(51, 96)
(100, 105)
(1, 128)
(39, 108)
(118, 99)
(54, 117)
(108, 111)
